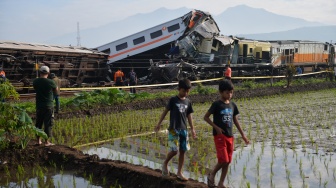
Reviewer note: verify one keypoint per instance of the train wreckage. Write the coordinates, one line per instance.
(189, 46)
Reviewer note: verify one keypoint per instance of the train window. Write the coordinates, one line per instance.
(121, 46)
(139, 40)
(286, 51)
(107, 51)
(265, 55)
(156, 34)
(251, 50)
(173, 27)
(197, 17)
(296, 50)
(325, 47)
(214, 43)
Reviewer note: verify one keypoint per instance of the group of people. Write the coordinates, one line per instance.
(224, 113)
(132, 78)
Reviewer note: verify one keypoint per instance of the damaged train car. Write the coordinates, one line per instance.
(75, 66)
(166, 48)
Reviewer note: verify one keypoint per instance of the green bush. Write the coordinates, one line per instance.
(204, 90)
(15, 124)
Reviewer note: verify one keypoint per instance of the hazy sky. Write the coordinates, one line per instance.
(40, 20)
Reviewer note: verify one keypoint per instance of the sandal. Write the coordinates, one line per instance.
(210, 183)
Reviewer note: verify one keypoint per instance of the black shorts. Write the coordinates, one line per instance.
(45, 116)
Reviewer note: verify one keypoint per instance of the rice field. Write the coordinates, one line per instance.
(292, 140)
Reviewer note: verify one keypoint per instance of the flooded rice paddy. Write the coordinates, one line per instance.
(293, 141)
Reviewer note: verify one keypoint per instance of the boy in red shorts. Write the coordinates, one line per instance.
(224, 115)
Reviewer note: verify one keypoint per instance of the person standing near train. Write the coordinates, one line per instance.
(58, 93)
(45, 89)
(2, 80)
(133, 80)
(2, 75)
(227, 73)
(119, 77)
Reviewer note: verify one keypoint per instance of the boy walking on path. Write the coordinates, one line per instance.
(224, 114)
(180, 111)
(44, 88)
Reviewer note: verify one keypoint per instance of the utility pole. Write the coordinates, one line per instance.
(78, 35)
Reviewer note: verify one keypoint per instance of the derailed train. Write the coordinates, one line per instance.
(74, 65)
(189, 46)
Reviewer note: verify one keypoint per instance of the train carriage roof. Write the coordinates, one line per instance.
(46, 47)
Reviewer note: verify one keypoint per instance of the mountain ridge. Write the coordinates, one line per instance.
(240, 20)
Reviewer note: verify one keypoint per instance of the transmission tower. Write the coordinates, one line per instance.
(78, 35)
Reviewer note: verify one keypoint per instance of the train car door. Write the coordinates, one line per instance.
(245, 48)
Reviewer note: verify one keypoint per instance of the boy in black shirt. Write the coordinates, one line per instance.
(224, 114)
(180, 111)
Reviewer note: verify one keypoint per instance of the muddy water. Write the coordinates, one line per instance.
(51, 178)
(255, 165)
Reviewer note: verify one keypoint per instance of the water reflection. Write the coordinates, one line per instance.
(262, 165)
(49, 179)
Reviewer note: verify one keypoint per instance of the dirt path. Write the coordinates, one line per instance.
(125, 174)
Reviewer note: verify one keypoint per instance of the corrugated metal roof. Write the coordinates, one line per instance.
(45, 47)
(225, 40)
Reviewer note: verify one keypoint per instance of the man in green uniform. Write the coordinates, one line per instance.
(58, 93)
(44, 89)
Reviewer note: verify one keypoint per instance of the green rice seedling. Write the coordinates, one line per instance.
(244, 172)
(18, 176)
(326, 165)
(325, 183)
(258, 182)
(7, 171)
(74, 184)
(91, 178)
(320, 178)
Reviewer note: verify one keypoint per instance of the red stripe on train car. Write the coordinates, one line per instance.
(141, 46)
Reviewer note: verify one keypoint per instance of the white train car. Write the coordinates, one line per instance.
(145, 40)
(181, 29)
